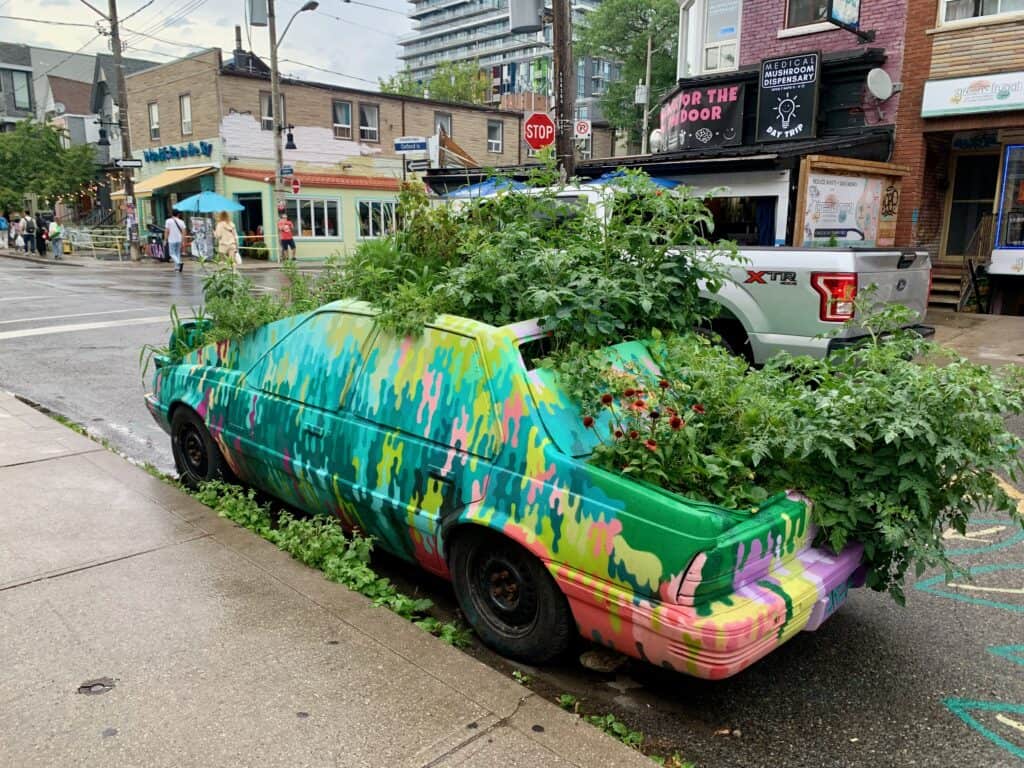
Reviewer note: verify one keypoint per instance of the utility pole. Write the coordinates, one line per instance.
(565, 85)
(647, 99)
(126, 137)
(275, 105)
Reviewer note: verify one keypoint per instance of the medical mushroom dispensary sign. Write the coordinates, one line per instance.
(787, 97)
(711, 116)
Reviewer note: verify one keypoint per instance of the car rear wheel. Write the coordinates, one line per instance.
(509, 598)
(196, 456)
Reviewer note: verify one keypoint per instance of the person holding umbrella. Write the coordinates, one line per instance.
(225, 232)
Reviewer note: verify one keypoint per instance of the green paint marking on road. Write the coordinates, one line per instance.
(936, 586)
(974, 536)
(1014, 653)
(962, 708)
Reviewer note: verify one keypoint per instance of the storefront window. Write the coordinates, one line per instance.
(1011, 208)
(22, 97)
(969, 9)
(313, 217)
(376, 218)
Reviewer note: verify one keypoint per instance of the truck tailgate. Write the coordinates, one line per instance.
(902, 278)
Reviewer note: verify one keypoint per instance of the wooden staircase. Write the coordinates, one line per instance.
(946, 282)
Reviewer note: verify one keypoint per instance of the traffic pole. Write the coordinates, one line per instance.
(123, 127)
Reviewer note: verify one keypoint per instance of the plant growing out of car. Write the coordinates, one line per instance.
(895, 441)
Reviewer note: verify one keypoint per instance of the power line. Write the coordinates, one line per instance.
(142, 7)
(375, 7)
(162, 40)
(89, 42)
(48, 22)
(357, 24)
(330, 71)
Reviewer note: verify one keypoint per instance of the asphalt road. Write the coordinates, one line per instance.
(937, 683)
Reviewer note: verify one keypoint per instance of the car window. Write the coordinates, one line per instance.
(314, 363)
(434, 386)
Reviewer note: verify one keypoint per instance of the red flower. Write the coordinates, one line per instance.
(664, 384)
(634, 434)
(639, 405)
(651, 445)
(588, 421)
(676, 423)
(607, 399)
(629, 392)
(618, 433)
(698, 408)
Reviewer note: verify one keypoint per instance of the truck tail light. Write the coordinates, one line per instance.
(837, 290)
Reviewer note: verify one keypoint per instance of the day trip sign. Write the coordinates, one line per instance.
(787, 97)
(703, 117)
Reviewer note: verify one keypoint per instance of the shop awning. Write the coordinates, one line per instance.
(147, 187)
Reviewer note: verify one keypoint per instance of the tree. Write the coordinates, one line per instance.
(35, 161)
(461, 81)
(617, 30)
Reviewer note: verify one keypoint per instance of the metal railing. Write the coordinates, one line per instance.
(99, 242)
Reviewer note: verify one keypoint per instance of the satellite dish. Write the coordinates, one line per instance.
(880, 84)
(59, 108)
(656, 140)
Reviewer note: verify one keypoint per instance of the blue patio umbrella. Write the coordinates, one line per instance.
(613, 176)
(485, 188)
(207, 202)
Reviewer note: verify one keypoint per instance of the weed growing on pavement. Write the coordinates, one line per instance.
(321, 543)
(568, 702)
(522, 677)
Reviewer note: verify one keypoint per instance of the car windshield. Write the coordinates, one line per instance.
(562, 417)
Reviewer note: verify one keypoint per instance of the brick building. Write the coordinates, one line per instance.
(205, 123)
(961, 134)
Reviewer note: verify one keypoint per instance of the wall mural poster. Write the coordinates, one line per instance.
(845, 210)
(703, 117)
(787, 98)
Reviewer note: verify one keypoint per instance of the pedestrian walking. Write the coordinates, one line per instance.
(227, 239)
(42, 234)
(174, 237)
(287, 234)
(56, 237)
(4, 230)
(28, 232)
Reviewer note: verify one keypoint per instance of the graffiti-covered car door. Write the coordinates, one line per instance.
(430, 433)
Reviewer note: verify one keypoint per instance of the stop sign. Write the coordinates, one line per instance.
(539, 130)
(296, 186)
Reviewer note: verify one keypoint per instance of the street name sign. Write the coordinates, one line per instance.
(405, 144)
(128, 163)
(539, 130)
(287, 170)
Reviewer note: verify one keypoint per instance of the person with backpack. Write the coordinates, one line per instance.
(56, 236)
(28, 232)
(174, 238)
(4, 228)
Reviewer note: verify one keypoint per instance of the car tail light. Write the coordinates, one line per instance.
(837, 291)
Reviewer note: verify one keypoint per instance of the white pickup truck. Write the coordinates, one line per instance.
(797, 299)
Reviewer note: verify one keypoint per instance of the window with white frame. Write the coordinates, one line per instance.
(267, 114)
(495, 136)
(185, 107)
(342, 116)
(376, 218)
(443, 122)
(800, 13)
(22, 90)
(369, 122)
(955, 10)
(154, 120)
(313, 217)
(709, 33)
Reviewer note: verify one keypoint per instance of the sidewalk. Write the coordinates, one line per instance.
(220, 648)
(994, 340)
(76, 260)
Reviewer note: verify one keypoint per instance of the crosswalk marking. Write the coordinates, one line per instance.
(82, 327)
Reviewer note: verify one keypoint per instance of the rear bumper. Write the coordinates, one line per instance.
(717, 639)
(924, 331)
(158, 412)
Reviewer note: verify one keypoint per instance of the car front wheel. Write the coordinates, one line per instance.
(196, 456)
(509, 598)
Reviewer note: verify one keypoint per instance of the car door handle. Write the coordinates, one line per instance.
(314, 429)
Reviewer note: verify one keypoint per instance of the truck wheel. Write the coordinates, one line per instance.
(196, 456)
(509, 598)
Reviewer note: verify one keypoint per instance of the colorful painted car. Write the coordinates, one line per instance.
(454, 454)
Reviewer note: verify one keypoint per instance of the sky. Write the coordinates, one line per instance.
(356, 40)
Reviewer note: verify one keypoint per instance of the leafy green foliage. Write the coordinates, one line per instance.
(617, 30)
(568, 702)
(617, 729)
(320, 543)
(895, 441)
(522, 677)
(35, 160)
(452, 81)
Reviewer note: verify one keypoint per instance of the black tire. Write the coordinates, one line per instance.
(196, 456)
(509, 598)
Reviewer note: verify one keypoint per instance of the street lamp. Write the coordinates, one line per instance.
(275, 91)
